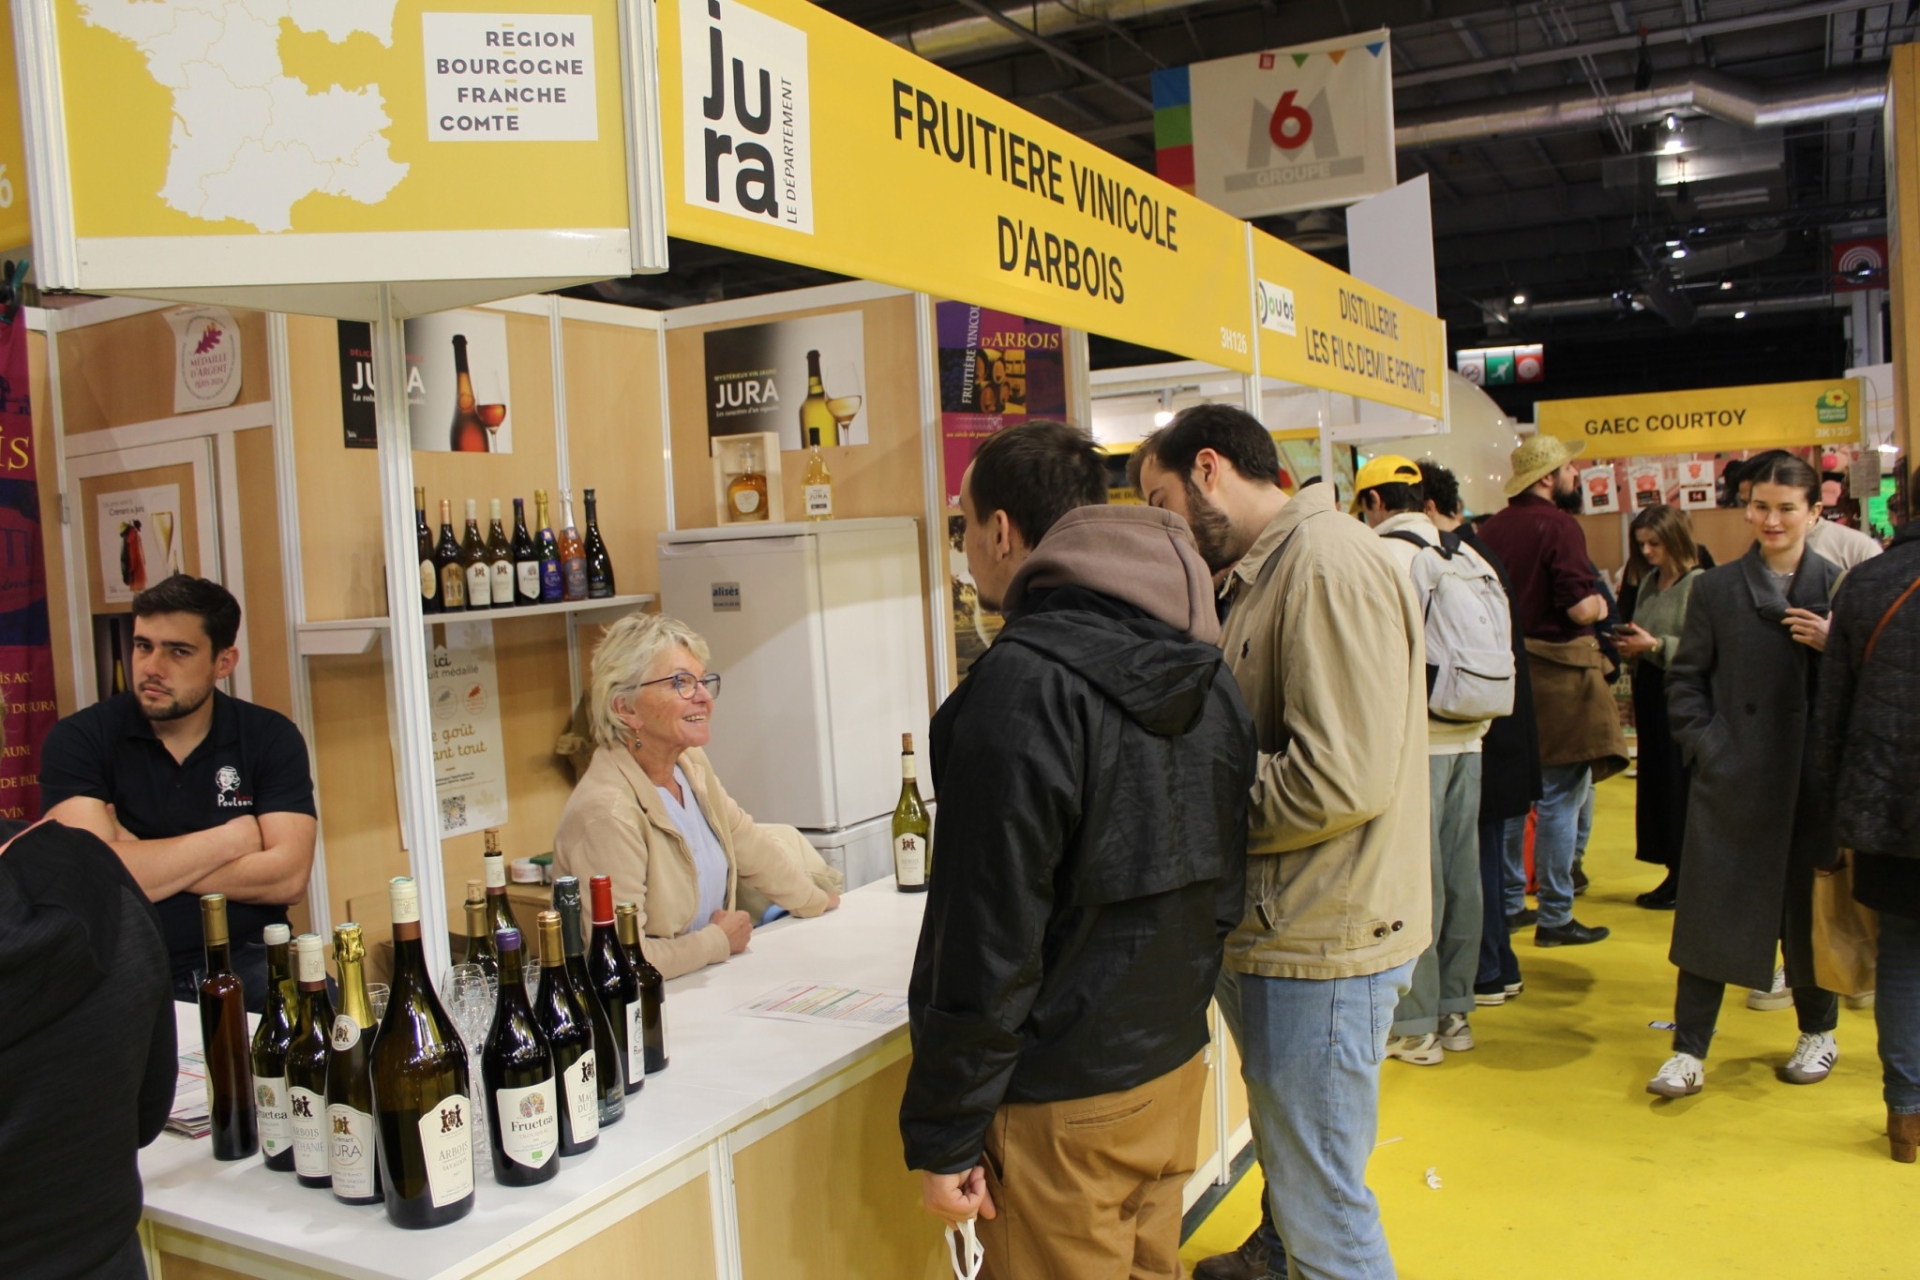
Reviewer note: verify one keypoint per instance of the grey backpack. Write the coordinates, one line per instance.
(1469, 629)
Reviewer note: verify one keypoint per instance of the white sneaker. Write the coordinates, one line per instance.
(1421, 1051)
(1812, 1059)
(1455, 1035)
(1681, 1077)
(1778, 997)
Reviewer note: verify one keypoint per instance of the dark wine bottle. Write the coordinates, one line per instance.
(350, 1124)
(469, 435)
(473, 559)
(653, 989)
(523, 1112)
(499, 907)
(429, 571)
(223, 1038)
(606, 1045)
(526, 558)
(420, 1087)
(270, 1041)
(446, 558)
(599, 563)
(619, 988)
(553, 586)
(499, 557)
(307, 1064)
(480, 945)
(561, 1013)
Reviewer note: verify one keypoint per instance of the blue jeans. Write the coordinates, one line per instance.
(1556, 836)
(1896, 1012)
(1443, 976)
(1514, 856)
(1584, 831)
(1310, 1053)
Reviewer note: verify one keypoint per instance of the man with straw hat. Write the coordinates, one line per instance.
(1556, 593)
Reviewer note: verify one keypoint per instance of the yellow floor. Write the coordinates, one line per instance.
(1554, 1162)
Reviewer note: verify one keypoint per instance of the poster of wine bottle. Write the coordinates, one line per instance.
(138, 538)
(459, 397)
(995, 369)
(777, 376)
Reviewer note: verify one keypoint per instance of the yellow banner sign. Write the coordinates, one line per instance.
(1320, 327)
(1779, 415)
(14, 228)
(884, 166)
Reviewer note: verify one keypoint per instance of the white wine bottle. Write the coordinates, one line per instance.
(817, 482)
(307, 1064)
(350, 1126)
(912, 832)
(270, 1044)
(814, 414)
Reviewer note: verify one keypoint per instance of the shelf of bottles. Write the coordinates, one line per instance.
(347, 636)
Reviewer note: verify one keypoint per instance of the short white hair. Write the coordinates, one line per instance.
(627, 651)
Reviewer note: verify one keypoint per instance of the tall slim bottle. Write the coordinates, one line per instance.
(523, 1112)
(526, 558)
(473, 558)
(594, 551)
(499, 558)
(606, 1045)
(446, 558)
(499, 906)
(912, 831)
(429, 571)
(553, 587)
(573, 555)
(814, 414)
(351, 1146)
(653, 990)
(224, 1039)
(468, 435)
(420, 1087)
(270, 1041)
(562, 1015)
(816, 483)
(307, 1064)
(480, 948)
(619, 988)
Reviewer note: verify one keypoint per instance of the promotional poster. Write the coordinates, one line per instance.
(469, 756)
(26, 653)
(995, 370)
(449, 413)
(759, 378)
(138, 537)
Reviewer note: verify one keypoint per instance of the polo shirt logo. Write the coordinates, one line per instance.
(227, 781)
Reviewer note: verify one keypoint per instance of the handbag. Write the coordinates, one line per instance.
(1846, 935)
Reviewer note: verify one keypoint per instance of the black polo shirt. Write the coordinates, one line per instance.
(253, 761)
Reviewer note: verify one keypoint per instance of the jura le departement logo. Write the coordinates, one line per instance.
(1275, 305)
(748, 110)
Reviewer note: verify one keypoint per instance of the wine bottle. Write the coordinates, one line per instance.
(606, 1045)
(350, 1125)
(429, 571)
(523, 1115)
(420, 1087)
(473, 559)
(307, 1065)
(747, 492)
(562, 1015)
(499, 558)
(480, 945)
(573, 555)
(814, 414)
(653, 989)
(468, 435)
(912, 832)
(224, 1041)
(446, 558)
(270, 1041)
(619, 987)
(499, 906)
(594, 550)
(526, 558)
(553, 587)
(817, 481)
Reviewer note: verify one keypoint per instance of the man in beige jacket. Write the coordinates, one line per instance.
(1324, 635)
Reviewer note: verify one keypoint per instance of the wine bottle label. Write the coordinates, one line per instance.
(308, 1117)
(527, 572)
(454, 583)
(551, 586)
(479, 583)
(910, 857)
(576, 571)
(529, 1122)
(502, 582)
(270, 1104)
(350, 1151)
(746, 501)
(583, 1097)
(496, 867)
(446, 1142)
(429, 580)
(636, 1040)
(819, 500)
(346, 1033)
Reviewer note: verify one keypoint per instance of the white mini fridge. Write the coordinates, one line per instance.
(819, 633)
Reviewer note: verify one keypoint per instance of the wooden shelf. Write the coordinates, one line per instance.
(349, 636)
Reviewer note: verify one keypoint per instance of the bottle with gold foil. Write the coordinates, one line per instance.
(351, 1145)
(224, 1039)
(561, 1014)
(480, 945)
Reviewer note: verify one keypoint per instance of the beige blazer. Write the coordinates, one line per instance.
(616, 824)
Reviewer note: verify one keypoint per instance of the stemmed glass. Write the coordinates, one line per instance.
(490, 403)
(845, 394)
(469, 995)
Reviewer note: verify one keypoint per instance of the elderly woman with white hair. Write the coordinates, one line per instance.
(650, 813)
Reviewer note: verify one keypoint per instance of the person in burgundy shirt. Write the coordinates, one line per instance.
(1557, 598)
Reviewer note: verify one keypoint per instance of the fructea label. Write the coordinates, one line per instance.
(582, 1089)
(270, 1102)
(446, 1141)
(1274, 304)
(350, 1151)
(529, 1122)
(748, 113)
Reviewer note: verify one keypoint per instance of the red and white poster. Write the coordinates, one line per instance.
(1644, 481)
(26, 654)
(1696, 478)
(1599, 494)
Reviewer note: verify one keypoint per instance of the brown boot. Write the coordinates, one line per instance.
(1903, 1132)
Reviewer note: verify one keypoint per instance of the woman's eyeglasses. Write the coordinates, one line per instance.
(684, 683)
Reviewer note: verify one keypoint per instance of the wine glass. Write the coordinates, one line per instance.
(163, 521)
(490, 402)
(377, 993)
(469, 995)
(846, 392)
(530, 970)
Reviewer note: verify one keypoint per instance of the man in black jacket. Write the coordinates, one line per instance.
(1093, 773)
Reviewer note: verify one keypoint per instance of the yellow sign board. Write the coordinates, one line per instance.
(1779, 415)
(14, 228)
(1320, 327)
(790, 133)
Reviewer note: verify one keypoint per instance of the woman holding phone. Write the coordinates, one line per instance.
(1739, 693)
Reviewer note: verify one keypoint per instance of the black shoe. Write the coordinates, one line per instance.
(1521, 919)
(1663, 898)
(1570, 934)
(1579, 880)
(1251, 1261)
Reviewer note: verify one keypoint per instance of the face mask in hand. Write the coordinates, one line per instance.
(964, 1251)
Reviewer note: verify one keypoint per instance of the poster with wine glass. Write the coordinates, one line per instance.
(459, 397)
(995, 369)
(788, 376)
(138, 540)
(469, 754)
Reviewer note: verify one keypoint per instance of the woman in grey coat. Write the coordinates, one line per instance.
(1739, 696)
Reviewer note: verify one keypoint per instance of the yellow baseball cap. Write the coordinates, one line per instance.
(1388, 468)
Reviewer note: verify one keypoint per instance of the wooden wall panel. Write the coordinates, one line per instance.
(343, 556)
(1723, 531)
(354, 770)
(265, 620)
(121, 372)
(615, 442)
(1605, 539)
(673, 1236)
(46, 469)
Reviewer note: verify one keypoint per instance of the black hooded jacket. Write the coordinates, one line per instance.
(1093, 773)
(87, 1060)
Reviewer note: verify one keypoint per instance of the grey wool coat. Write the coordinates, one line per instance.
(1739, 695)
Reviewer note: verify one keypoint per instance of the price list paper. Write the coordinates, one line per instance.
(822, 1003)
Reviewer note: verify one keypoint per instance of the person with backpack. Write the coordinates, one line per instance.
(1470, 681)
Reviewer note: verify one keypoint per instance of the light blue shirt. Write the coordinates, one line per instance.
(709, 859)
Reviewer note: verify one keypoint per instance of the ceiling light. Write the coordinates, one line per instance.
(1739, 315)
(1519, 299)
(1164, 418)
(1680, 252)
(1673, 123)
(1673, 144)
(1726, 284)
(1888, 448)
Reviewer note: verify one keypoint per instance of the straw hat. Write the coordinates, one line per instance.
(1538, 457)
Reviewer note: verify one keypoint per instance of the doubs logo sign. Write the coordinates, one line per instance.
(1274, 304)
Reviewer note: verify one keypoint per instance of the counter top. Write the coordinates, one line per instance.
(725, 1071)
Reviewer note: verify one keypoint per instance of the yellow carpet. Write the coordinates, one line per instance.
(1554, 1162)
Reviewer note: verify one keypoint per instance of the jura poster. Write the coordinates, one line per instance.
(760, 378)
(452, 411)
